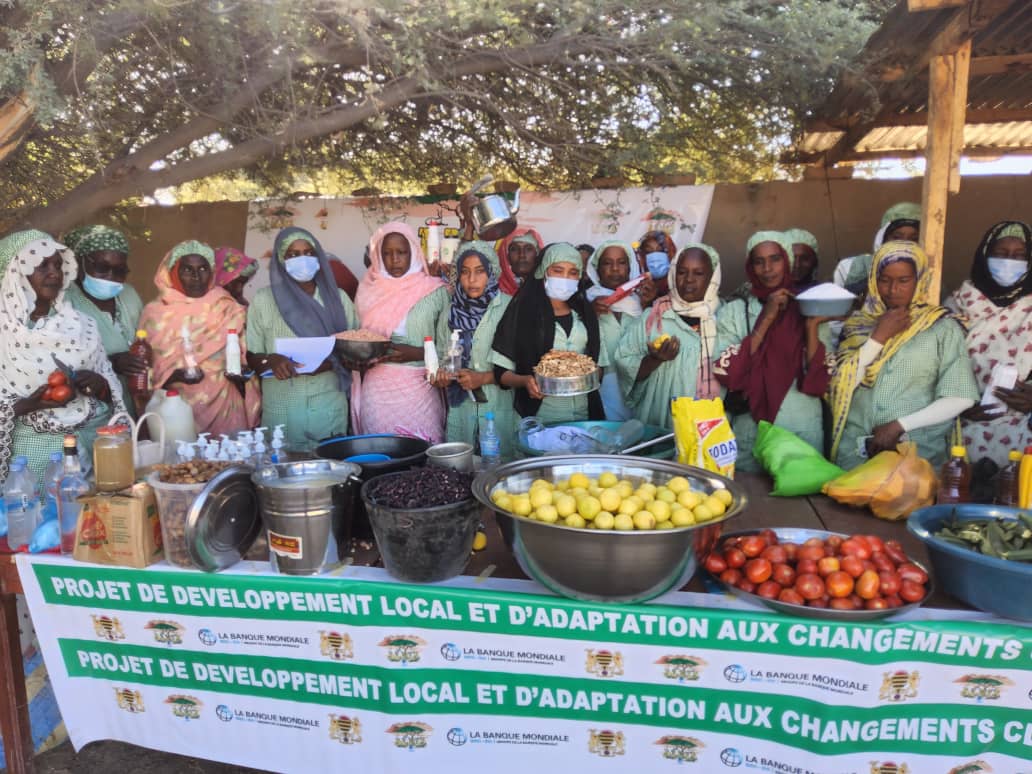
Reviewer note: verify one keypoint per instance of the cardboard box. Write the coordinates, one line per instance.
(121, 529)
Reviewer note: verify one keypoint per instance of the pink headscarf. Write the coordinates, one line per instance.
(384, 301)
(231, 263)
(507, 282)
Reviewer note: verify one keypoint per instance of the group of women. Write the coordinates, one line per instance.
(899, 367)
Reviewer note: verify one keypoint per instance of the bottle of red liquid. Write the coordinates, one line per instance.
(140, 384)
(955, 478)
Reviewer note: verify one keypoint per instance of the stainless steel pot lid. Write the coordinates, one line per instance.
(224, 520)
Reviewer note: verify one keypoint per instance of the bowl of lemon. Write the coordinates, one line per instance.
(608, 528)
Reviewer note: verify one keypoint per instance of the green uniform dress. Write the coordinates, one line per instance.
(799, 413)
(614, 396)
(650, 398)
(463, 419)
(421, 321)
(311, 407)
(572, 409)
(933, 364)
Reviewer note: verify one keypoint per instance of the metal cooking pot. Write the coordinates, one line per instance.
(493, 217)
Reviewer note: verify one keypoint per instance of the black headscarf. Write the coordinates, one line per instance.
(983, 280)
(526, 332)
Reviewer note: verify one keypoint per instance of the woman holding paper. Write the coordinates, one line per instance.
(302, 301)
(997, 305)
(398, 298)
(187, 328)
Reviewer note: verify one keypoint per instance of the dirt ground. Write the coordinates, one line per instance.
(108, 757)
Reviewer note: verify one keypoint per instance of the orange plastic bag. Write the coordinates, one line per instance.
(891, 484)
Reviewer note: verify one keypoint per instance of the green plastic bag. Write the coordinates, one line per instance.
(797, 467)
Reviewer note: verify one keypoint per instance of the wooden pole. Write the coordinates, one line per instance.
(947, 104)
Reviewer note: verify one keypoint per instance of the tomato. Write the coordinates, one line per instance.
(876, 543)
(790, 550)
(868, 584)
(882, 562)
(853, 547)
(746, 585)
(826, 565)
(853, 565)
(814, 541)
(911, 572)
(895, 552)
(791, 596)
(769, 589)
(893, 600)
(890, 583)
(821, 602)
(911, 591)
(834, 542)
(47, 395)
(878, 603)
(869, 565)
(734, 557)
(775, 554)
(731, 576)
(783, 574)
(758, 570)
(839, 584)
(56, 379)
(769, 536)
(809, 586)
(752, 545)
(61, 393)
(806, 566)
(841, 603)
(812, 551)
(715, 564)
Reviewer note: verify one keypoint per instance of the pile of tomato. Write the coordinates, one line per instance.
(58, 390)
(854, 572)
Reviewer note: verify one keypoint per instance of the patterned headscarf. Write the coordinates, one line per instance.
(181, 250)
(982, 279)
(93, 239)
(665, 241)
(231, 263)
(858, 328)
(507, 280)
(466, 313)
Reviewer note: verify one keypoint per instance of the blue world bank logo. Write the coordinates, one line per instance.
(729, 756)
(223, 713)
(207, 637)
(734, 673)
(456, 737)
(451, 652)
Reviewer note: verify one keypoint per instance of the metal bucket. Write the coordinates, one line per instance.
(307, 509)
(455, 455)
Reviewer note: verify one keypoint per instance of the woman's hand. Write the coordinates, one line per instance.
(646, 290)
(125, 364)
(238, 379)
(775, 304)
(891, 323)
(402, 353)
(1019, 399)
(471, 380)
(600, 307)
(441, 379)
(282, 367)
(35, 402)
(666, 351)
(885, 437)
(92, 385)
(980, 413)
(531, 386)
(466, 204)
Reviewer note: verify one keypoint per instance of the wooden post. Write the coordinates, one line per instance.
(947, 105)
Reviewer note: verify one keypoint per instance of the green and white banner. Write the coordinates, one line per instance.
(304, 674)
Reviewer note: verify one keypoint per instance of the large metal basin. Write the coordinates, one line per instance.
(605, 566)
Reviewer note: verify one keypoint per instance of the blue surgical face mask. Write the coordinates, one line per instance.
(1007, 271)
(658, 264)
(560, 288)
(101, 289)
(302, 267)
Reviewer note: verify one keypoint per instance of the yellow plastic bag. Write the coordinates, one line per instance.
(891, 484)
(703, 435)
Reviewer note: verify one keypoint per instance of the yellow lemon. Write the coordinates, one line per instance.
(580, 480)
(702, 513)
(547, 514)
(658, 341)
(609, 499)
(594, 491)
(715, 505)
(682, 517)
(668, 496)
(623, 522)
(649, 487)
(565, 505)
(521, 505)
(498, 494)
(644, 520)
(504, 502)
(624, 488)
(644, 495)
(665, 524)
(604, 520)
(607, 480)
(688, 498)
(577, 491)
(540, 496)
(574, 520)
(542, 482)
(589, 507)
(659, 509)
(479, 541)
(724, 496)
(678, 484)
(630, 506)
(563, 485)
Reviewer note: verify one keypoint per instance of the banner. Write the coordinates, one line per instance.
(305, 674)
(344, 226)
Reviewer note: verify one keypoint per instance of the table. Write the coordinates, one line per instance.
(817, 512)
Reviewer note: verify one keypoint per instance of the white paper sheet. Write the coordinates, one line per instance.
(307, 353)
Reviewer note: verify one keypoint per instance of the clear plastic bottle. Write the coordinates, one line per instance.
(73, 486)
(22, 502)
(1007, 481)
(955, 478)
(51, 483)
(490, 445)
(192, 369)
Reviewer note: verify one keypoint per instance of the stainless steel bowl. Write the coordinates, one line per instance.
(360, 351)
(568, 386)
(605, 566)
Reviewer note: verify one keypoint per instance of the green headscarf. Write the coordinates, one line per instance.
(288, 237)
(92, 239)
(780, 237)
(800, 236)
(902, 211)
(560, 252)
(191, 247)
(485, 249)
(1014, 230)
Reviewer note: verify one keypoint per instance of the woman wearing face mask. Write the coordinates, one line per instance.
(233, 270)
(656, 251)
(902, 366)
(301, 301)
(610, 265)
(771, 359)
(997, 306)
(399, 299)
(548, 313)
(476, 308)
(101, 293)
(189, 301)
(681, 365)
(36, 324)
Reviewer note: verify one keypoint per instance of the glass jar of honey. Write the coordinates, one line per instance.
(113, 459)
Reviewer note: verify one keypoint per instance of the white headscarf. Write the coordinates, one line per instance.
(705, 310)
(630, 304)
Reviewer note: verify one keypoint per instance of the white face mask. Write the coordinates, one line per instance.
(560, 288)
(1007, 271)
(302, 267)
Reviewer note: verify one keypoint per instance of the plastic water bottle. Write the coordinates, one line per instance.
(430, 358)
(490, 446)
(22, 502)
(51, 484)
(232, 352)
(73, 486)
